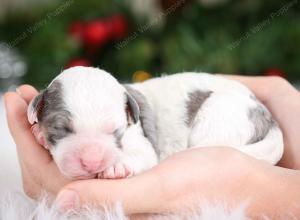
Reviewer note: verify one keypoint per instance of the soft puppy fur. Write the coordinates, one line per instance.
(15, 206)
(96, 127)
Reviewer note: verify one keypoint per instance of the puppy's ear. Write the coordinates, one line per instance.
(132, 109)
(35, 107)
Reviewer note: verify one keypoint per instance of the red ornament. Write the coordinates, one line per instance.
(78, 62)
(275, 72)
(96, 33)
(76, 30)
(118, 26)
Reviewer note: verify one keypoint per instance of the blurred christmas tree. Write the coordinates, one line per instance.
(135, 39)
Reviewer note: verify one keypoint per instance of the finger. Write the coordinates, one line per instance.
(16, 109)
(265, 87)
(252, 82)
(27, 92)
(31, 188)
(34, 158)
(130, 192)
(27, 147)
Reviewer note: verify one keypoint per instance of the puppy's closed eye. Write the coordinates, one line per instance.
(118, 134)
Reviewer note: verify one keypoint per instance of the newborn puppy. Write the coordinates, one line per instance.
(96, 127)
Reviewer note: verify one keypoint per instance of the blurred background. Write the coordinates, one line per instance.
(139, 39)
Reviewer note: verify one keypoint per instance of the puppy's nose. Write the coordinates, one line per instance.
(91, 166)
(91, 159)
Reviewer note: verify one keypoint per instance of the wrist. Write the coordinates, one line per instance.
(146, 196)
(276, 194)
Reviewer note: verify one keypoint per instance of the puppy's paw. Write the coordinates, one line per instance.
(116, 171)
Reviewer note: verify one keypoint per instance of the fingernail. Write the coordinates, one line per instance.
(18, 91)
(67, 200)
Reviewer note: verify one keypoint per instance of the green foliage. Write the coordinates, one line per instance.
(195, 37)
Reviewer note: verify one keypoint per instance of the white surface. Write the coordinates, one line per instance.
(10, 178)
(16, 207)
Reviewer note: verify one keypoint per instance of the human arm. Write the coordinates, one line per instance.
(194, 177)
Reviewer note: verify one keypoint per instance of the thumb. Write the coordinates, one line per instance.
(27, 92)
(27, 147)
(137, 194)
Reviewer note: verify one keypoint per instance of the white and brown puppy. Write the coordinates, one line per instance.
(96, 127)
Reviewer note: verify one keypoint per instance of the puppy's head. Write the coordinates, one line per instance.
(83, 115)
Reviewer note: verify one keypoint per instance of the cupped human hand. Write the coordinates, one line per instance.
(191, 178)
(39, 172)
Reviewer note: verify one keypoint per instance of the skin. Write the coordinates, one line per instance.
(184, 179)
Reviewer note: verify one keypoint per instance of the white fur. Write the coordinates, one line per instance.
(136, 146)
(97, 102)
(16, 206)
(221, 121)
(94, 98)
